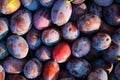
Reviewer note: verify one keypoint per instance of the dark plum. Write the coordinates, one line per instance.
(41, 19)
(31, 4)
(69, 31)
(78, 1)
(9, 6)
(98, 74)
(33, 38)
(81, 47)
(61, 52)
(78, 67)
(15, 77)
(13, 65)
(113, 15)
(112, 54)
(43, 53)
(3, 27)
(95, 9)
(20, 22)
(116, 37)
(58, 12)
(17, 46)
(89, 23)
(112, 77)
(78, 11)
(51, 71)
(117, 71)
(3, 50)
(101, 41)
(50, 36)
(2, 73)
(103, 3)
(32, 68)
(100, 63)
(47, 3)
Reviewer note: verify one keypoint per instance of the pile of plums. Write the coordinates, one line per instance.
(59, 39)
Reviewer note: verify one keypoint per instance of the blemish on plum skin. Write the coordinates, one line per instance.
(55, 11)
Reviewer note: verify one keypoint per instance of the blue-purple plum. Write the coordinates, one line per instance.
(32, 68)
(61, 12)
(69, 31)
(81, 47)
(42, 19)
(3, 27)
(78, 11)
(20, 22)
(50, 36)
(13, 65)
(33, 38)
(101, 41)
(98, 74)
(17, 46)
(31, 4)
(113, 15)
(89, 23)
(43, 53)
(79, 68)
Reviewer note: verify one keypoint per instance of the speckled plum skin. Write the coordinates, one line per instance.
(33, 39)
(43, 53)
(61, 52)
(103, 3)
(117, 71)
(98, 74)
(15, 77)
(69, 31)
(116, 37)
(78, 67)
(81, 47)
(31, 4)
(114, 18)
(7, 6)
(13, 65)
(42, 19)
(51, 71)
(89, 23)
(112, 54)
(78, 11)
(17, 46)
(101, 41)
(32, 68)
(50, 36)
(47, 3)
(20, 22)
(58, 13)
(2, 73)
(78, 1)
(100, 63)
(3, 27)
(95, 9)
(3, 51)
